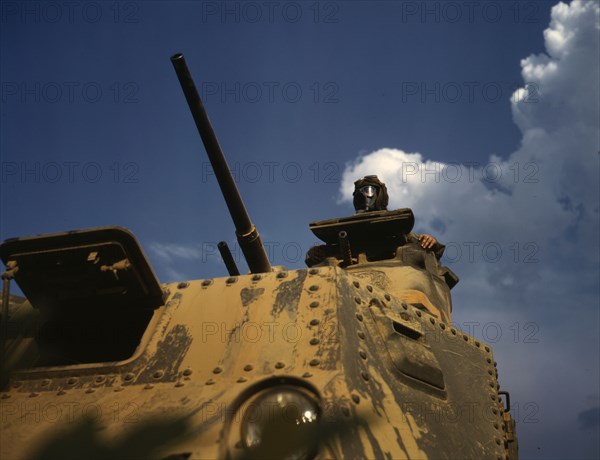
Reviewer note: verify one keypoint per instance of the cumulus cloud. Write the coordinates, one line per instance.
(535, 203)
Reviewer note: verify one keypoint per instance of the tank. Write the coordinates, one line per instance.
(352, 357)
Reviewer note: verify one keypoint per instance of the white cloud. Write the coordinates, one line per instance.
(544, 193)
(169, 252)
(178, 262)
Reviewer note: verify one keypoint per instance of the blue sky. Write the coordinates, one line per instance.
(305, 97)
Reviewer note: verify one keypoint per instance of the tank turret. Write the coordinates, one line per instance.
(379, 247)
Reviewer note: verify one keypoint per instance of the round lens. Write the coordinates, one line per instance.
(281, 423)
(368, 191)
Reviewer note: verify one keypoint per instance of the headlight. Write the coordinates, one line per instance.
(280, 422)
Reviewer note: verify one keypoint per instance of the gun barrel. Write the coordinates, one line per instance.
(228, 259)
(345, 251)
(246, 233)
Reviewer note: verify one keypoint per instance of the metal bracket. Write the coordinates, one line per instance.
(121, 265)
(507, 394)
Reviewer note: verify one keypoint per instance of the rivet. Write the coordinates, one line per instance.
(443, 326)
(362, 354)
(314, 362)
(359, 317)
(356, 284)
(148, 386)
(361, 335)
(314, 341)
(282, 275)
(314, 304)
(129, 376)
(314, 322)
(345, 411)
(418, 312)
(453, 331)
(210, 382)
(90, 390)
(179, 384)
(369, 288)
(489, 360)
(477, 344)
(61, 393)
(496, 425)
(314, 287)
(487, 348)
(100, 379)
(206, 283)
(279, 365)
(357, 300)
(313, 271)
(33, 395)
(45, 382)
(495, 411)
(187, 372)
(493, 397)
(498, 441)
(231, 280)
(387, 297)
(404, 306)
(242, 380)
(117, 389)
(256, 277)
(465, 337)
(217, 370)
(356, 398)
(72, 380)
(492, 384)
(307, 375)
(182, 285)
(158, 374)
(490, 372)
(248, 367)
(364, 375)
(495, 364)
(432, 320)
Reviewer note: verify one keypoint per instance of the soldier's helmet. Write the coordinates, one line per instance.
(370, 194)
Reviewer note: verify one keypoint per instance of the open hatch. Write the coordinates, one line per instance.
(93, 293)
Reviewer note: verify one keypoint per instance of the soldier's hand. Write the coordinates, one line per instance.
(427, 241)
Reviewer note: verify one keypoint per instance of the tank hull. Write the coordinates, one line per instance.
(390, 380)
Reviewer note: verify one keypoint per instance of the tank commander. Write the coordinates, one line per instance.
(370, 194)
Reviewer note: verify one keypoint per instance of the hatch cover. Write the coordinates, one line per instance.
(94, 268)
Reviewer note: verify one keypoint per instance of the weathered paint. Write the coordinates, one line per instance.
(211, 345)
